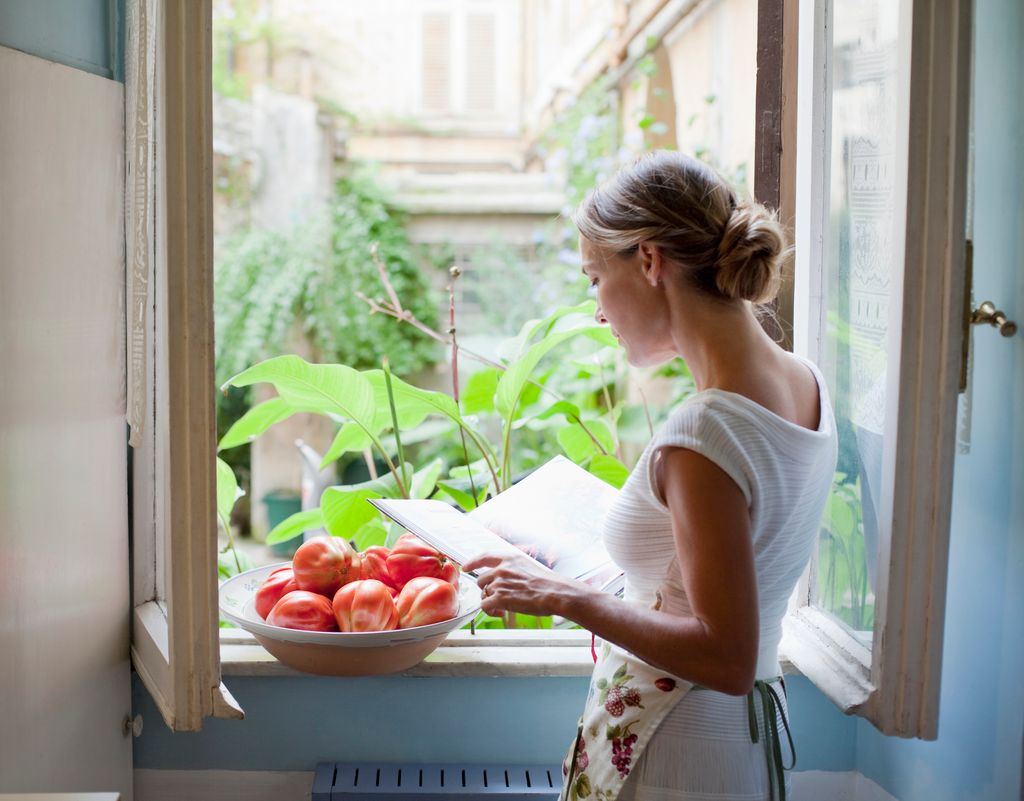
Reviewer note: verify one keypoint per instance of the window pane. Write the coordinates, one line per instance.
(861, 263)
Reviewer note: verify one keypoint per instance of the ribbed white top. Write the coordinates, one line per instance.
(785, 472)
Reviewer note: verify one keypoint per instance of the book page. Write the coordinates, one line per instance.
(444, 527)
(556, 515)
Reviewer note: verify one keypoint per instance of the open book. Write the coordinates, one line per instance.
(554, 515)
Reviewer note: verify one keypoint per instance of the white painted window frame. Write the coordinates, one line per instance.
(895, 682)
(169, 294)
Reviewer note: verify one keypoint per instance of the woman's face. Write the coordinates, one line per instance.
(631, 301)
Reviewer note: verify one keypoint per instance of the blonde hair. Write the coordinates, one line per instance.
(731, 249)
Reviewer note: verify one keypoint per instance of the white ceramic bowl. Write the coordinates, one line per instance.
(335, 653)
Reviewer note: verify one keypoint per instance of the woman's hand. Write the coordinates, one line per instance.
(521, 584)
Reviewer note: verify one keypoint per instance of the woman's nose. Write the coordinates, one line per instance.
(599, 316)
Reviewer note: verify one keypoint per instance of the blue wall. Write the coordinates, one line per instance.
(86, 34)
(291, 724)
(977, 756)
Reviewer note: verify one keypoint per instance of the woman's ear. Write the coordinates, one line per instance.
(651, 263)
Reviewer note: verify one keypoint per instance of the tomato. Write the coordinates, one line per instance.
(365, 605)
(278, 583)
(375, 565)
(323, 564)
(412, 557)
(425, 599)
(304, 610)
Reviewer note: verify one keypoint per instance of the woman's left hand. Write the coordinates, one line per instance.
(521, 584)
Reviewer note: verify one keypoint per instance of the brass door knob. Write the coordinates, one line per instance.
(988, 313)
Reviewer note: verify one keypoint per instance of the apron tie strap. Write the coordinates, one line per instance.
(771, 709)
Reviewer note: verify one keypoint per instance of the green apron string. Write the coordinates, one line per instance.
(771, 707)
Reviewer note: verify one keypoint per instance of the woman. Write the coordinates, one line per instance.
(717, 520)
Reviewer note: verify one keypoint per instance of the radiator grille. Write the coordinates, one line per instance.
(349, 781)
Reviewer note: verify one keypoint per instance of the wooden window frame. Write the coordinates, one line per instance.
(172, 425)
(894, 683)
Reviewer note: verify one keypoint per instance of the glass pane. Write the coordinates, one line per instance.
(861, 265)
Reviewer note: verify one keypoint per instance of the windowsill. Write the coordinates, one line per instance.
(489, 653)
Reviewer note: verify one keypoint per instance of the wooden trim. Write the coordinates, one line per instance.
(775, 137)
(768, 103)
(176, 651)
(191, 489)
(910, 608)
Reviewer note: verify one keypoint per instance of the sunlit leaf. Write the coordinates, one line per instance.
(609, 469)
(320, 388)
(255, 421)
(294, 525)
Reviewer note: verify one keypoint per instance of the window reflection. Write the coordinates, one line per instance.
(861, 264)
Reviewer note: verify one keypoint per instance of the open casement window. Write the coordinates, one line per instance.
(883, 91)
(169, 300)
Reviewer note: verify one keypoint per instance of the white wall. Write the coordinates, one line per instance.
(64, 670)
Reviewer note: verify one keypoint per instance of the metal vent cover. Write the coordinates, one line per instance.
(349, 781)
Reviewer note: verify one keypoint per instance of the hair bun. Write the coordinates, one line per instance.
(750, 255)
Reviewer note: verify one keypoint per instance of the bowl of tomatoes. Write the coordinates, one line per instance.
(339, 612)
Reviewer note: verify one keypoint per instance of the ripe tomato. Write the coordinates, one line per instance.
(375, 565)
(412, 557)
(365, 605)
(304, 610)
(425, 600)
(322, 564)
(278, 583)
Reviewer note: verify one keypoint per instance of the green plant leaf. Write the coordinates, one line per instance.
(227, 492)
(459, 490)
(609, 469)
(478, 395)
(512, 383)
(412, 404)
(840, 516)
(294, 525)
(570, 410)
(255, 421)
(350, 437)
(332, 389)
(425, 479)
(227, 566)
(579, 445)
(345, 511)
(575, 442)
(369, 534)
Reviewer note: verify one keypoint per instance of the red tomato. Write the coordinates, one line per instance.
(375, 565)
(304, 610)
(365, 605)
(412, 557)
(278, 583)
(426, 599)
(323, 564)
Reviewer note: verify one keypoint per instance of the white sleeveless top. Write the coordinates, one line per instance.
(702, 751)
(785, 472)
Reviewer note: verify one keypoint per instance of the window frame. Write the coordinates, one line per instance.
(172, 425)
(895, 683)
(176, 642)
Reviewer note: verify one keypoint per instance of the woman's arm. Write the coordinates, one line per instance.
(716, 646)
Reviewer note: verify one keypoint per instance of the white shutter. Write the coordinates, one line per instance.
(435, 77)
(481, 66)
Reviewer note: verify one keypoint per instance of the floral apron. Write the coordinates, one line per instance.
(626, 703)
